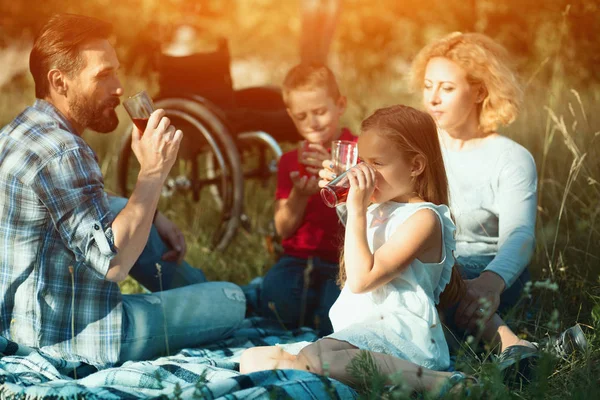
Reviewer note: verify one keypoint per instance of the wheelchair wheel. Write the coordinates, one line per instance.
(266, 153)
(214, 119)
(260, 154)
(190, 182)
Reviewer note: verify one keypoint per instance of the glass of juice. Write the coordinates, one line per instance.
(336, 192)
(304, 147)
(344, 155)
(139, 107)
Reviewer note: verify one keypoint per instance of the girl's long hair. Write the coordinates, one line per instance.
(413, 133)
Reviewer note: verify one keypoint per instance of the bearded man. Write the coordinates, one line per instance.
(63, 250)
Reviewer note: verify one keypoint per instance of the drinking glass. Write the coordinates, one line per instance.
(304, 147)
(139, 107)
(336, 191)
(344, 155)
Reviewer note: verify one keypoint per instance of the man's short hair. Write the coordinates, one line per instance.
(310, 77)
(58, 46)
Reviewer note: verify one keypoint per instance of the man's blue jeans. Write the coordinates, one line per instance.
(156, 324)
(144, 270)
(191, 313)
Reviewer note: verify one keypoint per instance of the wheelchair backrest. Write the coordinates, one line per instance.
(205, 74)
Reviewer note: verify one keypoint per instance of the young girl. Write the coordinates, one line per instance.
(398, 259)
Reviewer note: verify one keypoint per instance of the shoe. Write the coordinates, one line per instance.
(517, 364)
(568, 342)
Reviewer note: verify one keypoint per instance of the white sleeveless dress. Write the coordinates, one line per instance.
(399, 318)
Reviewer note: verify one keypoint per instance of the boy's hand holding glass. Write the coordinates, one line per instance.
(310, 158)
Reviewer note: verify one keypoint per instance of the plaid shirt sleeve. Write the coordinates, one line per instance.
(71, 187)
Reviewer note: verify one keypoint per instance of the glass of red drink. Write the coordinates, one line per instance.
(304, 147)
(139, 107)
(336, 192)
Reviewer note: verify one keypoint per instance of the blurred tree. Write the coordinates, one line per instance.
(319, 19)
(368, 34)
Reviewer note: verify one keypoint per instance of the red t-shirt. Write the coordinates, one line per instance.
(321, 233)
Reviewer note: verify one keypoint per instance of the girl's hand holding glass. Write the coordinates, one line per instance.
(362, 180)
(344, 155)
(326, 173)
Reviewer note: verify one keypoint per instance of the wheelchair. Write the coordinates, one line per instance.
(230, 136)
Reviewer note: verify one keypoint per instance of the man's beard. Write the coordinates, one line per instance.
(88, 115)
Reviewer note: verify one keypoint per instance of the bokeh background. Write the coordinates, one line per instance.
(556, 50)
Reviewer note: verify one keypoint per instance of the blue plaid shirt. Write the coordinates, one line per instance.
(54, 215)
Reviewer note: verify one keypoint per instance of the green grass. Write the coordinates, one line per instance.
(558, 125)
(564, 141)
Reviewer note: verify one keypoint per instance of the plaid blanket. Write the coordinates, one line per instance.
(208, 373)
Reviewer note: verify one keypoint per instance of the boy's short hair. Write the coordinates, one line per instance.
(308, 77)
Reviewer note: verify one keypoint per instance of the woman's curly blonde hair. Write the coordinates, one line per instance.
(486, 63)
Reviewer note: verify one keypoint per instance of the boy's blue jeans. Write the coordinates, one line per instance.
(297, 297)
(188, 312)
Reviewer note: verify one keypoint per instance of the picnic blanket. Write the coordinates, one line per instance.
(210, 372)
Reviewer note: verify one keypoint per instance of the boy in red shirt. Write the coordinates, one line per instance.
(301, 287)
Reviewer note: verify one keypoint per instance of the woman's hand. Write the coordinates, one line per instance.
(481, 300)
(362, 184)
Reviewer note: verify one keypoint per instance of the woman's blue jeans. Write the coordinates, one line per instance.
(471, 268)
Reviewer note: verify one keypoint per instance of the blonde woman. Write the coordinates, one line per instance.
(470, 90)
